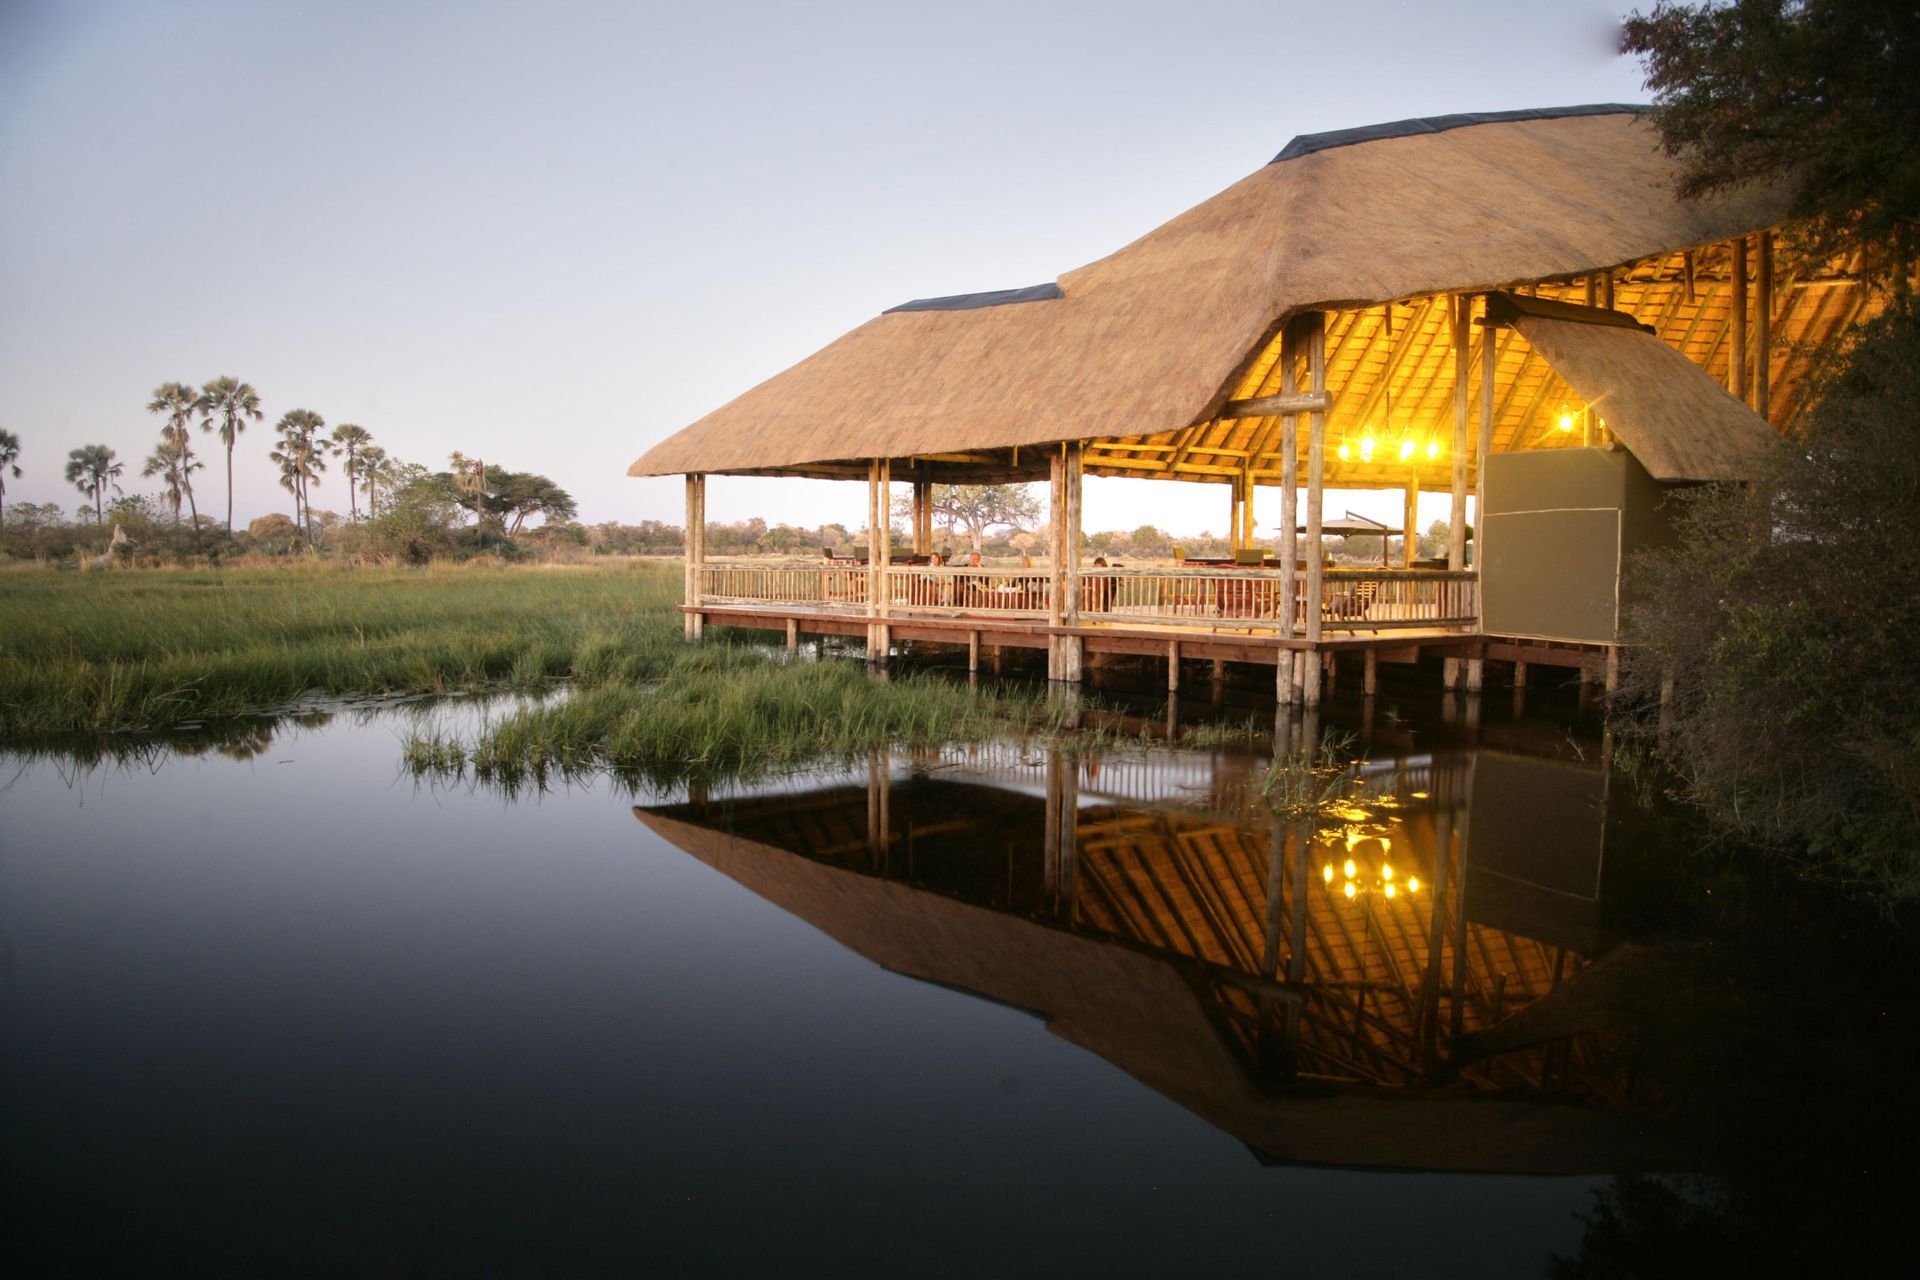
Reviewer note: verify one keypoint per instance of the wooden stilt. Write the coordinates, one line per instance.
(879, 556)
(1519, 675)
(1173, 666)
(1450, 673)
(1613, 668)
(973, 652)
(1063, 601)
(1483, 443)
(696, 541)
(1372, 677)
(1476, 674)
(793, 634)
(1314, 328)
(1330, 662)
(1219, 672)
(1283, 686)
(1310, 678)
(1289, 543)
(1457, 538)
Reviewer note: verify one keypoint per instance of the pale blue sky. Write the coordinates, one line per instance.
(552, 233)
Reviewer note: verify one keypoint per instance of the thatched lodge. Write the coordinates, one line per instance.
(1510, 307)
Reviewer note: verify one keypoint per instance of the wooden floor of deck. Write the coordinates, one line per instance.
(1223, 643)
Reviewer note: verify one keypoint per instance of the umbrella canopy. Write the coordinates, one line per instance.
(1350, 524)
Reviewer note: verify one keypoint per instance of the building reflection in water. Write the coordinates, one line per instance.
(1337, 989)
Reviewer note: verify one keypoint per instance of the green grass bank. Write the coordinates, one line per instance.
(157, 649)
(161, 649)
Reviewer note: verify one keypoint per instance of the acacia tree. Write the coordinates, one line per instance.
(227, 403)
(302, 455)
(9, 461)
(179, 403)
(976, 510)
(91, 469)
(350, 441)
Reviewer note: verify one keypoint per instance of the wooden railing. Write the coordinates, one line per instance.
(792, 582)
(1351, 599)
(1001, 593)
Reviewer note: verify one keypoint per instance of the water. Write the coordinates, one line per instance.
(284, 1011)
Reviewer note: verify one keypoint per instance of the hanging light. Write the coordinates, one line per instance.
(1343, 450)
(1406, 449)
(1566, 418)
(1366, 447)
(1433, 449)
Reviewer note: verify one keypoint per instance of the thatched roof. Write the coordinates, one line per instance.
(1678, 423)
(1151, 340)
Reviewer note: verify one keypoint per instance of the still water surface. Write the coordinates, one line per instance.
(275, 1008)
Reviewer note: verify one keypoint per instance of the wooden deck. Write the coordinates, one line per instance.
(982, 636)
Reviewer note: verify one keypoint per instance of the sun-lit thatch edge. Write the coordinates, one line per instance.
(1149, 339)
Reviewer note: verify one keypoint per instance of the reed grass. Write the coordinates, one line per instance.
(162, 648)
(743, 718)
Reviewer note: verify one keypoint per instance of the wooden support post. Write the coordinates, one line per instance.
(973, 653)
(1289, 545)
(1519, 675)
(1737, 357)
(1234, 521)
(1063, 601)
(879, 553)
(1218, 673)
(1457, 539)
(1483, 444)
(1606, 290)
(1248, 532)
(1329, 669)
(1410, 526)
(1173, 666)
(1315, 327)
(1476, 674)
(1613, 668)
(1450, 673)
(1763, 326)
(1372, 677)
(793, 635)
(696, 540)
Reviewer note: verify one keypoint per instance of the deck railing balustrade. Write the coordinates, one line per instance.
(1213, 596)
(1003, 593)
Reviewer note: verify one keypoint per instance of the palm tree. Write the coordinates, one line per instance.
(376, 468)
(9, 461)
(302, 456)
(180, 403)
(90, 469)
(227, 403)
(351, 441)
(174, 464)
